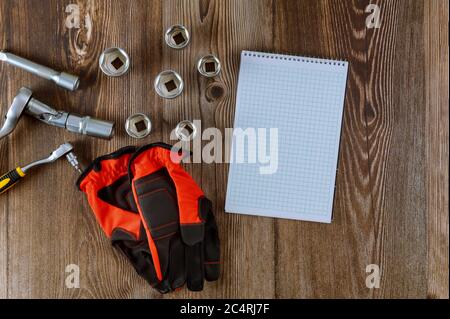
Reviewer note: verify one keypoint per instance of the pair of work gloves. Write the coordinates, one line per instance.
(155, 213)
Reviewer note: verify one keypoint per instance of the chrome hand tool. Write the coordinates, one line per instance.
(62, 79)
(24, 102)
(9, 179)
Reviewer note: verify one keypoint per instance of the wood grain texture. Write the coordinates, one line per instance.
(4, 168)
(437, 114)
(396, 140)
(391, 204)
(223, 28)
(343, 249)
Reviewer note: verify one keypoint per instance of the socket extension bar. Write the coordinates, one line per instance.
(62, 79)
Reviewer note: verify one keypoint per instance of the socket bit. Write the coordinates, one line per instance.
(73, 160)
(62, 79)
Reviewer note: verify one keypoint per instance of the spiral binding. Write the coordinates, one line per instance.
(286, 57)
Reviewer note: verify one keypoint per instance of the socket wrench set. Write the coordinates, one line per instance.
(113, 62)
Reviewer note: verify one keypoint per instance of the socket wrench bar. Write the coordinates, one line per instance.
(62, 79)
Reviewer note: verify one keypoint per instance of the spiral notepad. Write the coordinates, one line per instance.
(298, 102)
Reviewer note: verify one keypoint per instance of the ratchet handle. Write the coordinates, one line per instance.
(10, 179)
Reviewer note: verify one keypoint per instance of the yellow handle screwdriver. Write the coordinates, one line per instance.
(9, 179)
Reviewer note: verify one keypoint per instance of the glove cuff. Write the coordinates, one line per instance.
(95, 165)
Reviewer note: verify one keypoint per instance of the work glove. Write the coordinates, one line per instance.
(108, 189)
(178, 219)
(109, 194)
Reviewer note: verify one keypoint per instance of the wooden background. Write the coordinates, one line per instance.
(392, 187)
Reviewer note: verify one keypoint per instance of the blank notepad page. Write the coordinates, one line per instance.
(302, 99)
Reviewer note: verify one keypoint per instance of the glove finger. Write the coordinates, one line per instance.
(149, 273)
(211, 244)
(139, 256)
(177, 270)
(194, 267)
(157, 204)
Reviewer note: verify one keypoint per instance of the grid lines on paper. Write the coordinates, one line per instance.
(306, 106)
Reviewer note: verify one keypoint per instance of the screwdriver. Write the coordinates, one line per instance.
(9, 179)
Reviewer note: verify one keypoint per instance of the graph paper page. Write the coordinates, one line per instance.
(302, 99)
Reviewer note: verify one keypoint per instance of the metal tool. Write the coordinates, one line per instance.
(209, 66)
(24, 102)
(138, 125)
(186, 131)
(8, 180)
(62, 79)
(114, 62)
(177, 36)
(73, 160)
(169, 84)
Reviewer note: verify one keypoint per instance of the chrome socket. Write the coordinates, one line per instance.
(177, 36)
(169, 84)
(114, 62)
(186, 131)
(89, 126)
(209, 66)
(138, 125)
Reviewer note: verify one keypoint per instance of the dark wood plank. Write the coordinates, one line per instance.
(4, 154)
(436, 143)
(317, 260)
(64, 230)
(42, 213)
(136, 27)
(31, 224)
(396, 132)
(224, 29)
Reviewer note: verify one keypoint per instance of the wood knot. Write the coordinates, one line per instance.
(215, 91)
(370, 113)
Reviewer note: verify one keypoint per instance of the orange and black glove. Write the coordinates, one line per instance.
(109, 194)
(107, 185)
(178, 219)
